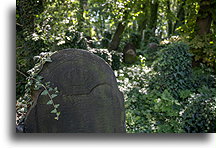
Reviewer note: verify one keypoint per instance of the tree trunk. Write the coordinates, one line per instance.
(114, 44)
(204, 18)
(117, 37)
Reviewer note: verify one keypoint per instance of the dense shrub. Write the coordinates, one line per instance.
(149, 47)
(203, 75)
(174, 69)
(72, 39)
(25, 51)
(166, 111)
(147, 111)
(132, 82)
(200, 112)
(169, 97)
(147, 34)
(116, 60)
(151, 53)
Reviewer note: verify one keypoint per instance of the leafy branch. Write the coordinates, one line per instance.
(34, 82)
(51, 96)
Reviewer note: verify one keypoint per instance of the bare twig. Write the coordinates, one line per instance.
(21, 73)
(19, 24)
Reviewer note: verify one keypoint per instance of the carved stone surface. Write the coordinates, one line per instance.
(89, 97)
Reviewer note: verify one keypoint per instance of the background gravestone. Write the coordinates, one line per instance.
(129, 53)
(89, 97)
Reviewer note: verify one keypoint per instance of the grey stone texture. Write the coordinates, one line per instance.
(90, 101)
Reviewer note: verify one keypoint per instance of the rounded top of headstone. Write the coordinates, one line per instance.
(76, 71)
(89, 98)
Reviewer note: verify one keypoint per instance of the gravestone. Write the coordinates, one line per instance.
(153, 46)
(90, 101)
(129, 53)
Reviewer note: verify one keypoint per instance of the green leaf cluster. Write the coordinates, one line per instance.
(35, 83)
(174, 69)
(199, 114)
(169, 97)
(113, 58)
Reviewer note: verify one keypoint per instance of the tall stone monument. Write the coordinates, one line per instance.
(90, 101)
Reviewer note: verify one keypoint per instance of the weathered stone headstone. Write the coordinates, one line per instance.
(89, 98)
(129, 53)
(153, 46)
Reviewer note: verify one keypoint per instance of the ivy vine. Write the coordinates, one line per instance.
(35, 83)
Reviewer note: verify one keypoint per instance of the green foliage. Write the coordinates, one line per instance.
(174, 69)
(203, 76)
(132, 83)
(135, 38)
(152, 113)
(139, 116)
(41, 30)
(151, 52)
(147, 35)
(167, 96)
(25, 49)
(180, 103)
(166, 113)
(113, 58)
(149, 47)
(103, 53)
(35, 83)
(147, 110)
(204, 49)
(56, 20)
(116, 60)
(200, 112)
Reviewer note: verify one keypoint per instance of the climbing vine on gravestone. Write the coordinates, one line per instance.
(35, 83)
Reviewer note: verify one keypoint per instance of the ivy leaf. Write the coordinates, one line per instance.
(36, 58)
(56, 89)
(56, 106)
(48, 59)
(50, 102)
(45, 92)
(54, 111)
(53, 95)
(36, 88)
(50, 89)
(39, 77)
(58, 113)
(47, 83)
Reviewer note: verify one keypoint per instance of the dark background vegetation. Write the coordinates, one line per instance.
(168, 82)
